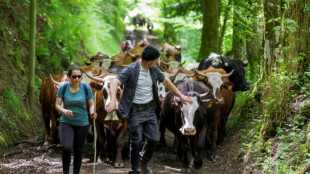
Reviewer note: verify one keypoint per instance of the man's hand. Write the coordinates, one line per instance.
(110, 106)
(186, 99)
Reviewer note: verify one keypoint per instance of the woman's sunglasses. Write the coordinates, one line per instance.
(76, 76)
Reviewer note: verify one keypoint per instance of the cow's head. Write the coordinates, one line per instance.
(105, 63)
(238, 79)
(106, 80)
(171, 65)
(214, 79)
(190, 113)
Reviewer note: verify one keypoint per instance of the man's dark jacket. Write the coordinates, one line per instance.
(129, 78)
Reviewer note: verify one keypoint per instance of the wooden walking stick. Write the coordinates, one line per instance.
(95, 134)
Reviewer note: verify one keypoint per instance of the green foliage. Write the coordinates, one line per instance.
(76, 29)
(14, 118)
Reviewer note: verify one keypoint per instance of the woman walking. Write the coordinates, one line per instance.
(76, 97)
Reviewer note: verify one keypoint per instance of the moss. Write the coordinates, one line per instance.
(305, 110)
(268, 145)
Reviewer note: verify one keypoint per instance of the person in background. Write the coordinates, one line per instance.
(177, 53)
(123, 46)
(143, 43)
(131, 37)
(140, 104)
(127, 47)
(74, 124)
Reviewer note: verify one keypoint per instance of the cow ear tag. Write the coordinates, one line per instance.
(207, 103)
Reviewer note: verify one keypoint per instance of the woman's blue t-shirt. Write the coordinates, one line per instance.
(76, 102)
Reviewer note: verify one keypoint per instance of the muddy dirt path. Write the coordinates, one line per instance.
(30, 157)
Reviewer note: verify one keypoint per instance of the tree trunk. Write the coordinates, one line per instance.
(272, 15)
(223, 29)
(297, 42)
(254, 40)
(31, 60)
(210, 29)
(116, 14)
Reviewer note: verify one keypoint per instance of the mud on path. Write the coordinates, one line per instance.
(30, 157)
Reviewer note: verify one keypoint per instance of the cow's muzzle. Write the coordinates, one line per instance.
(189, 131)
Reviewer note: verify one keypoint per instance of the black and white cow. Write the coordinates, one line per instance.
(189, 122)
(221, 61)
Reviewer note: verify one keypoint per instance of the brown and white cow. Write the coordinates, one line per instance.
(101, 60)
(191, 122)
(226, 92)
(114, 124)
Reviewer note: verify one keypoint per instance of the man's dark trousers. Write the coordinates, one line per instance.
(142, 120)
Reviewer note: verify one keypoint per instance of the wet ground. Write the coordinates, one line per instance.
(31, 157)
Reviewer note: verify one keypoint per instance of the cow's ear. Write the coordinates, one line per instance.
(96, 86)
(206, 103)
(176, 101)
(228, 85)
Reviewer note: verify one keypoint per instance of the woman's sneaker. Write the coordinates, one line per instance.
(146, 170)
(134, 172)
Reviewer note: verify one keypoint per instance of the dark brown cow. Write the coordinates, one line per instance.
(114, 124)
(189, 122)
(150, 27)
(49, 113)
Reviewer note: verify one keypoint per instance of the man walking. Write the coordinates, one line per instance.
(140, 104)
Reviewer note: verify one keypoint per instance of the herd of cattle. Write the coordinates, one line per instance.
(211, 85)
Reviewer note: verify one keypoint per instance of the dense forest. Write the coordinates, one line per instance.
(272, 117)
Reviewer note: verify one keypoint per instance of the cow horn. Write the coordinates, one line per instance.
(114, 60)
(164, 63)
(229, 74)
(200, 73)
(204, 94)
(174, 74)
(57, 83)
(94, 78)
(245, 63)
(132, 55)
(191, 75)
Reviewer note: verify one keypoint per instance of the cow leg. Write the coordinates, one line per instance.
(162, 128)
(199, 148)
(55, 123)
(46, 119)
(184, 146)
(100, 144)
(120, 144)
(110, 145)
(213, 155)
